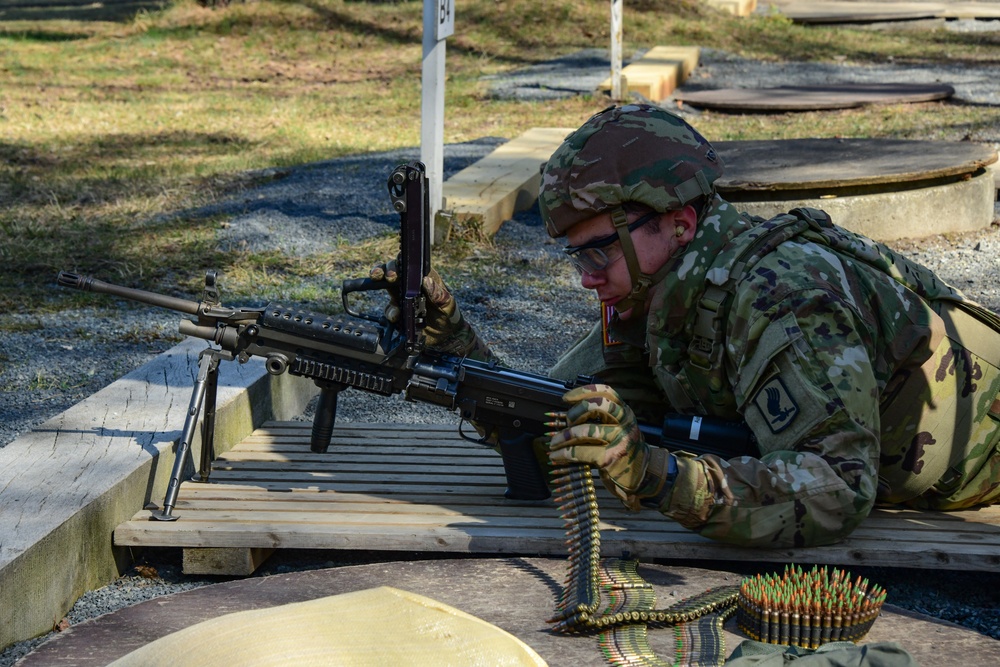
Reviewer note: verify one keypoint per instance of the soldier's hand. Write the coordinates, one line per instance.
(445, 328)
(389, 273)
(600, 430)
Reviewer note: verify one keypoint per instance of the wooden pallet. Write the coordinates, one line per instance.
(407, 487)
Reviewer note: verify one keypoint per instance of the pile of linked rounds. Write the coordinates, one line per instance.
(807, 609)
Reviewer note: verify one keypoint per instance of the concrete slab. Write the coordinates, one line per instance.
(884, 189)
(65, 486)
(515, 594)
(888, 216)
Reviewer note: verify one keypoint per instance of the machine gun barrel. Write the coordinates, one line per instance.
(88, 284)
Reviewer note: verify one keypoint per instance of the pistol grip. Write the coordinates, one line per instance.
(360, 285)
(525, 479)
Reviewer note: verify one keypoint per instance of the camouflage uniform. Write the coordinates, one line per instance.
(864, 377)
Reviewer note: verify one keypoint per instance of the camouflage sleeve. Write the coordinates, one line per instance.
(806, 386)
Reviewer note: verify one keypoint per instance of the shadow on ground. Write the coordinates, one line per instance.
(72, 10)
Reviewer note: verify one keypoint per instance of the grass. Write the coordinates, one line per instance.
(111, 132)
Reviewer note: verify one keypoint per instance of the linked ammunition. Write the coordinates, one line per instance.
(808, 609)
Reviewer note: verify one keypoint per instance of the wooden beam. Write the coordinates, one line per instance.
(659, 72)
(506, 181)
(232, 562)
(735, 7)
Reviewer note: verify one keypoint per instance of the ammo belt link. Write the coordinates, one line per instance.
(623, 621)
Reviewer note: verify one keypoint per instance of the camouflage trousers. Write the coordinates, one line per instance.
(941, 421)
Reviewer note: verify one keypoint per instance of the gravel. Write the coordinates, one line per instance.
(50, 362)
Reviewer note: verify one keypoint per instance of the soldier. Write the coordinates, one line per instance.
(863, 376)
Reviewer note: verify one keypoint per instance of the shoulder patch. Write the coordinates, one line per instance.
(776, 405)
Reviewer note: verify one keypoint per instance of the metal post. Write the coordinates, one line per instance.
(439, 22)
(616, 50)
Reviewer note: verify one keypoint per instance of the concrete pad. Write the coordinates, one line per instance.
(65, 486)
(888, 216)
(515, 594)
(506, 181)
(884, 189)
(658, 73)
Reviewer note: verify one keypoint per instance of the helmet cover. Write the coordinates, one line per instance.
(633, 153)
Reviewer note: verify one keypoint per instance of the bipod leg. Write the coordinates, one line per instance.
(326, 416)
(208, 424)
(207, 367)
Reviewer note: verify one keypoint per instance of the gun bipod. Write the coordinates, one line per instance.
(203, 395)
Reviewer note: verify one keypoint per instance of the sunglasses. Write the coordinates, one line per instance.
(598, 254)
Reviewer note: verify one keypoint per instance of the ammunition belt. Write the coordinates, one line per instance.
(624, 619)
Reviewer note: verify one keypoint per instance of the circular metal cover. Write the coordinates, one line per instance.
(814, 98)
(799, 164)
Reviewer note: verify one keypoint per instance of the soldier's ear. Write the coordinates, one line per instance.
(684, 224)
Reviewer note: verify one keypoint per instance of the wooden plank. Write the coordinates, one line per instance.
(450, 466)
(506, 181)
(396, 491)
(550, 527)
(504, 540)
(894, 522)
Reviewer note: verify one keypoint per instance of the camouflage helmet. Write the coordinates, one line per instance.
(633, 153)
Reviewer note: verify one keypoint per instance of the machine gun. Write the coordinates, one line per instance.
(367, 352)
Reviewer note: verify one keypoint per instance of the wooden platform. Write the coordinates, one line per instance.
(422, 488)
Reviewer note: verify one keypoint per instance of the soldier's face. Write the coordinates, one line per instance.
(613, 283)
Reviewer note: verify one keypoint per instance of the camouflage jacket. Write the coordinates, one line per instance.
(812, 348)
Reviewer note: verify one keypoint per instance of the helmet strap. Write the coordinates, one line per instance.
(696, 186)
(641, 282)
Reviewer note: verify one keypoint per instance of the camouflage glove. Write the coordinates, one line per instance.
(445, 328)
(602, 431)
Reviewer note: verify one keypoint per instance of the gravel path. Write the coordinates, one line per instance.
(52, 362)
